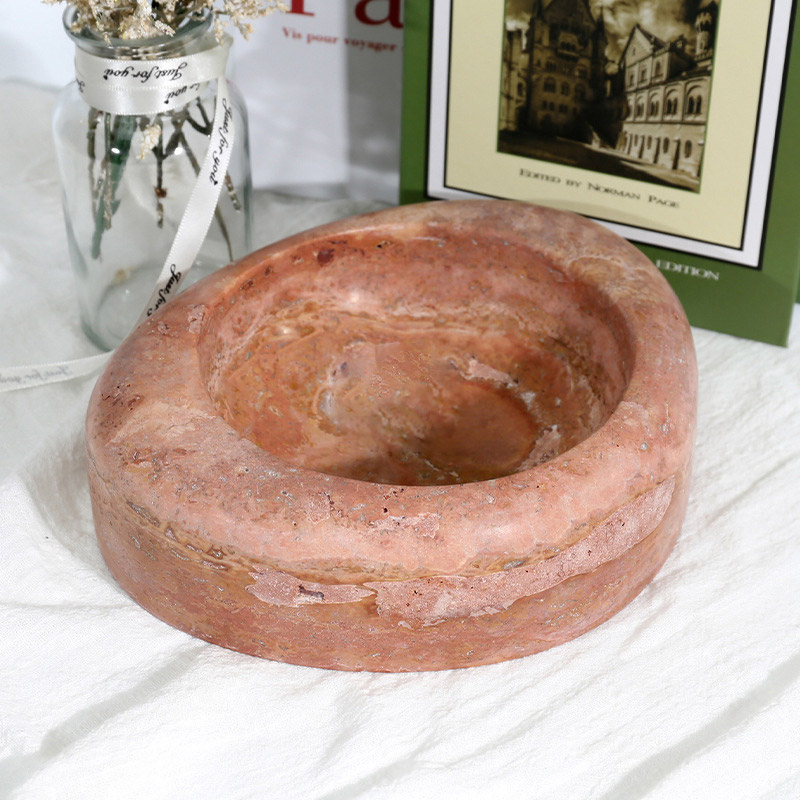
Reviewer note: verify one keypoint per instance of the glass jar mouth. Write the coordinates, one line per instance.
(90, 40)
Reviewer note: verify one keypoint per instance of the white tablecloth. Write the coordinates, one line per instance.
(692, 691)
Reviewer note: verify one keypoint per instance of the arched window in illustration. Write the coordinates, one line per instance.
(551, 66)
(649, 142)
(658, 70)
(580, 92)
(695, 104)
(549, 85)
(640, 109)
(687, 149)
(665, 144)
(654, 108)
(565, 89)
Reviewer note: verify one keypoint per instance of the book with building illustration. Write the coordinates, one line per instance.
(673, 122)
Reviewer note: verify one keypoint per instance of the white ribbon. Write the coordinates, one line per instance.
(142, 88)
(38, 375)
(200, 208)
(132, 87)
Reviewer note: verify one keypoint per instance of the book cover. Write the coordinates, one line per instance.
(322, 83)
(673, 122)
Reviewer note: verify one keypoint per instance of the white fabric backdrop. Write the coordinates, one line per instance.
(693, 691)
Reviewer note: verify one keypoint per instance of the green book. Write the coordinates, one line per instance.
(675, 123)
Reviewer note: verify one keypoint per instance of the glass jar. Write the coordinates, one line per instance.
(126, 181)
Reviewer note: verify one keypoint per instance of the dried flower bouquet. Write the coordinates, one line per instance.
(144, 19)
(168, 144)
(147, 19)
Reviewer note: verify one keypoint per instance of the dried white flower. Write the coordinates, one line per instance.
(150, 136)
(240, 11)
(142, 25)
(219, 29)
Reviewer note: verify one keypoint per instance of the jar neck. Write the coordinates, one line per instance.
(193, 36)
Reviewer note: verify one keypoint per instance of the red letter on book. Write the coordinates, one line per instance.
(297, 8)
(393, 16)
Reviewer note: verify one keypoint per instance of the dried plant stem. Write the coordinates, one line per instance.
(204, 114)
(118, 138)
(158, 152)
(118, 132)
(235, 202)
(91, 134)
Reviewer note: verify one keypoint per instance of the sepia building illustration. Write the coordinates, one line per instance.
(648, 108)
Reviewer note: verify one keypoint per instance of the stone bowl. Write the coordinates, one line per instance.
(430, 437)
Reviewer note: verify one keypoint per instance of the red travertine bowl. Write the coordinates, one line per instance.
(431, 437)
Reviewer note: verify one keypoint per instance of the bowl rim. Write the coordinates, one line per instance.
(646, 440)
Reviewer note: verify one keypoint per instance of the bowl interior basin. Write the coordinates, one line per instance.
(415, 357)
